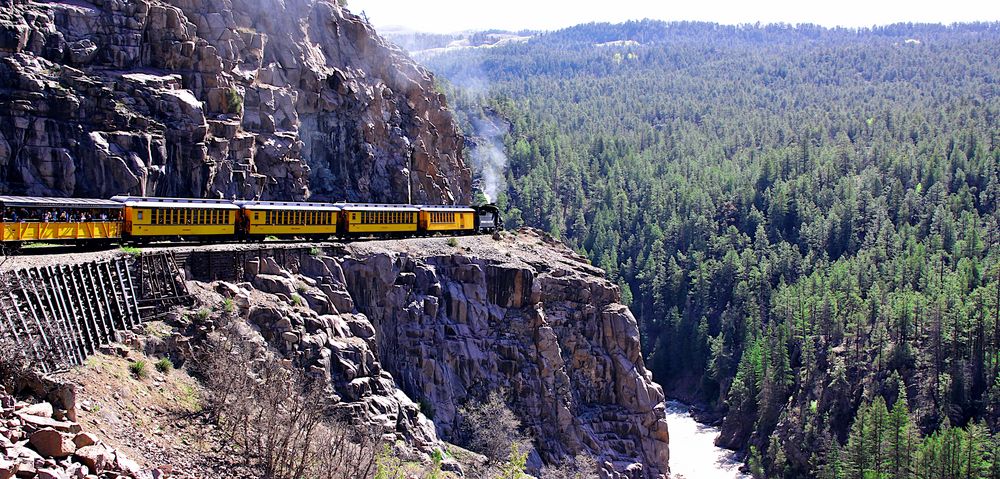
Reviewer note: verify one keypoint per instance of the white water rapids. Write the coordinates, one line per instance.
(693, 453)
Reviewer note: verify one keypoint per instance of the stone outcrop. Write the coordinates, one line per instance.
(261, 99)
(395, 323)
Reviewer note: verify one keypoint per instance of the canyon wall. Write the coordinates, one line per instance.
(264, 99)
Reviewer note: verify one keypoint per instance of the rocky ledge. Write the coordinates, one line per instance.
(260, 99)
(395, 323)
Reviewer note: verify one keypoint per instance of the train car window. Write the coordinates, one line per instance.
(139, 215)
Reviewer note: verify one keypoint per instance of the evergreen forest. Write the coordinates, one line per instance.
(804, 220)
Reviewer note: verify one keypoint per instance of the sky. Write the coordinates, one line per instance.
(445, 16)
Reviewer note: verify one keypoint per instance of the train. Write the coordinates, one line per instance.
(137, 220)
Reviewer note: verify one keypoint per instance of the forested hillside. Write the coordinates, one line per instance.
(805, 221)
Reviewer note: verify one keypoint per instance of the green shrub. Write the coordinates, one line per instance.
(388, 466)
(204, 313)
(297, 300)
(234, 101)
(139, 369)
(131, 250)
(452, 242)
(227, 305)
(514, 467)
(164, 365)
(314, 251)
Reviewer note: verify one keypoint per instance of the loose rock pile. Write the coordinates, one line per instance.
(39, 441)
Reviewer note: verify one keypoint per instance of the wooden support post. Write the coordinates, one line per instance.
(93, 322)
(116, 305)
(35, 308)
(51, 319)
(27, 332)
(103, 284)
(59, 291)
(10, 321)
(79, 312)
(126, 311)
(95, 295)
(135, 302)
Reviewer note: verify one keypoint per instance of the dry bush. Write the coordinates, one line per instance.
(277, 417)
(490, 427)
(583, 466)
(14, 365)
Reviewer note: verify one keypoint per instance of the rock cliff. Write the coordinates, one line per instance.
(217, 98)
(397, 323)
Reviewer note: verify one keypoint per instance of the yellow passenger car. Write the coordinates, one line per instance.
(288, 219)
(27, 219)
(368, 219)
(444, 219)
(149, 218)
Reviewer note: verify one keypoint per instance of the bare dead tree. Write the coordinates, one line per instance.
(279, 418)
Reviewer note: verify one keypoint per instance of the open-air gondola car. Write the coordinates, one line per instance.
(155, 218)
(25, 218)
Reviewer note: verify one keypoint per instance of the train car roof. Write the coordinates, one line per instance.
(42, 202)
(464, 209)
(376, 207)
(286, 205)
(150, 202)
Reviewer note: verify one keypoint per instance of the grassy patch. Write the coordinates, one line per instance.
(139, 369)
(204, 313)
(297, 300)
(227, 305)
(452, 242)
(189, 398)
(130, 250)
(164, 365)
(314, 251)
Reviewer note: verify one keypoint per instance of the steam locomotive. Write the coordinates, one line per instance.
(136, 220)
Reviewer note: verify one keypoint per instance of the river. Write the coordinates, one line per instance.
(693, 453)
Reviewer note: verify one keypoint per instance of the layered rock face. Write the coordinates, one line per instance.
(396, 323)
(265, 99)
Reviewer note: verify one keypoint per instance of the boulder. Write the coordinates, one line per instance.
(52, 443)
(51, 474)
(42, 409)
(84, 439)
(97, 458)
(39, 422)
(8, 468)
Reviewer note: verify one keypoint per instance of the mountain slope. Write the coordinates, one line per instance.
(803, 218)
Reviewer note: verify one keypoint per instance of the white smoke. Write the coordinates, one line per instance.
(488, 157)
